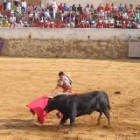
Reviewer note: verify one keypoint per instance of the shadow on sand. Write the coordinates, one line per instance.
(18, 124)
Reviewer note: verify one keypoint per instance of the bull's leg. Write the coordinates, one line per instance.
(107, 114)
(99, 118)
(72, 122)
(62, 122)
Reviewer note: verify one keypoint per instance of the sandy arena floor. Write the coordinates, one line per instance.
(24, 79)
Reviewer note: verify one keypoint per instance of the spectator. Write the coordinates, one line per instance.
(23, 6)
(137, 16)
(54, 8)
(8, 5)
(100, 8)
(74, 8)
(99, 24)
(65, 8)
(118, 24)
(121, 8)
(124, 16)
(92, 8)
(47, 14)
(113, 8)
(80, 9)
(1, 8)
(111, 24)
(1, 24)
(6, 24)
(124, 25)
(138, 25)
(30, 9)
(12, 19)
(60, 8)
(138, 7)
(93, 24)
(87, 9)
(18, 9)
(107, 8)
(16, 3)
(5, 4)
(64, 16)
(20, 24)
(126, 9)
(129, 25)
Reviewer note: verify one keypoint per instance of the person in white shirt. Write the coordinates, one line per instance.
(12, 18)
(47, 14)
(55, 8)
(20, 24)
(63, 82)
(8, 6)
(23, 6)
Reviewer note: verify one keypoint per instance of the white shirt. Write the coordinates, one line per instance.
(8, 6)
(54, 5)
(125, 15)
(138, 26)
(13, 19)
(24, 4)
(66, 80)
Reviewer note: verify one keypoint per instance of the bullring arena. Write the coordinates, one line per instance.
(26, 78)
(97, 59)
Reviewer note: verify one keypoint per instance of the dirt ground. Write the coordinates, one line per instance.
(24, 79)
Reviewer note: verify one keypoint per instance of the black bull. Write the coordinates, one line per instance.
(72, 106)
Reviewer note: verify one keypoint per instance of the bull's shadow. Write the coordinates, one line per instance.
(31, 125)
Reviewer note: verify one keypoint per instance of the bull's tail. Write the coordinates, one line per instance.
(105, 101)
(109, 107)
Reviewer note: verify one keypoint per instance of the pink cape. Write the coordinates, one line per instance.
(37, 106)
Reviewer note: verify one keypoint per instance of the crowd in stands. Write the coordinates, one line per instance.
(20, 14)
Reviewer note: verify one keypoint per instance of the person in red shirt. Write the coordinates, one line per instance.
(1, 7)
(52, 25)
(107, 8)
(78, 25)
(81, 24)
(58, 25)
(46, 24)
(124, 25)
(100, 8)
(106, 24)
(111, 24)
(99, 24)
(60, 8)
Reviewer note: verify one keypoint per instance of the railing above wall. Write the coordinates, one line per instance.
(71, 34)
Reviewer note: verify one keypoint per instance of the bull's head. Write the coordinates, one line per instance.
(50, 106)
